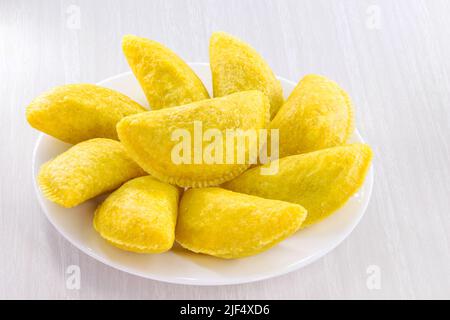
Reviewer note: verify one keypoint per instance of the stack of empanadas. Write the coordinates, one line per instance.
(191, 170)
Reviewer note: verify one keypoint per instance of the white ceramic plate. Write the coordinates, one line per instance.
(179, 265)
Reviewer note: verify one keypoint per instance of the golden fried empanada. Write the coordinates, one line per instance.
(321, 181)
(231, 225)
(77, 112)
(171, 144)
(238, 67)
(140, 216)
(164, 77)
(318, 114)
(86, 170)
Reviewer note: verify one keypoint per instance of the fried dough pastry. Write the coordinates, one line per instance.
(153, 138)
(77, 112)
(164, 77)
(232, 225)
(236, 66)
(86, 170)
(140, 216)
(318, 114)
(321, 181)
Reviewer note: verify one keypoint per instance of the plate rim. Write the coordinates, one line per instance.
(200, 282)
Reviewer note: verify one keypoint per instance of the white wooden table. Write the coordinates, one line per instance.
(393, 58)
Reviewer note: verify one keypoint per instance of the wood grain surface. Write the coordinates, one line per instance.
(391, 56)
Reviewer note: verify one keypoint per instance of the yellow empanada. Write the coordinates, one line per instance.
(318, 114)
(172, 144)
(231, 225)
(321, 181)
(164, 77)
(86, 170)
(238, 67)
(78, 112)
(140, 216)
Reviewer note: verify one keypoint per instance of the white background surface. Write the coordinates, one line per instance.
(391, 56)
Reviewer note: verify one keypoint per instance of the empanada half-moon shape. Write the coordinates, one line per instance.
(153, 138)
(86, 170)
(140, 216)
(236, 66)
(318, 114)
(165, 78)
(77, 112)
(232, 225)
(321, 181)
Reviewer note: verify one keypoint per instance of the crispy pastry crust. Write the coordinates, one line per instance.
(318, 114)
(140, 216)
(148, 136)
(321, 181)
(236, 67)
(78, 112)
(232, 225)
(86, 170)
(166, 79)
